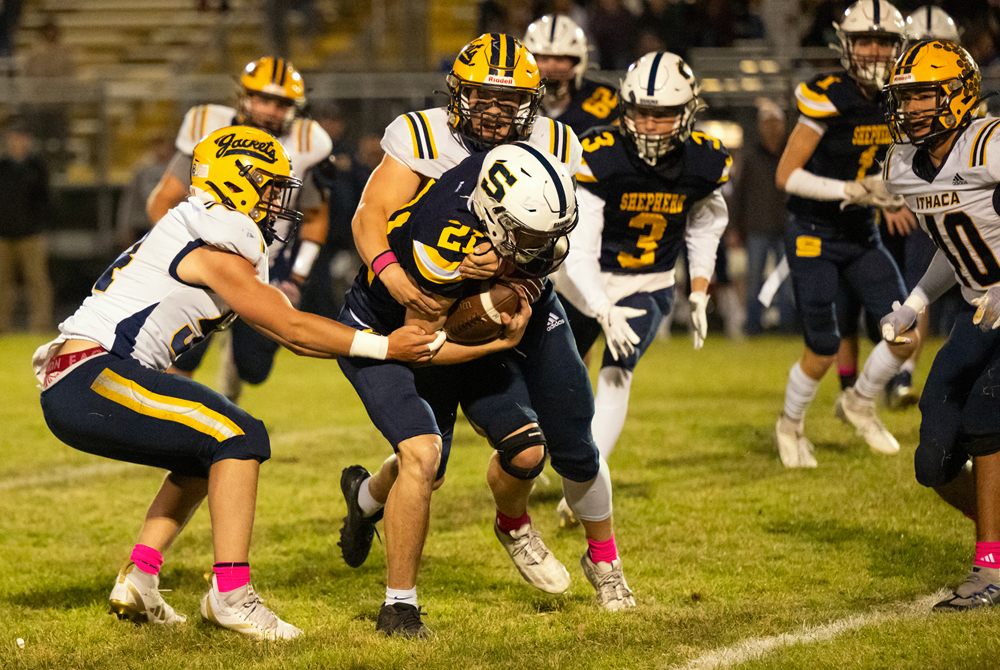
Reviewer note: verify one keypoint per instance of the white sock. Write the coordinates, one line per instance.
(610, 407)
(880, 367)
(799, 393)
(401, 596)
(368, 504)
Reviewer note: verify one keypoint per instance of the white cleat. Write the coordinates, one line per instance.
(243, 611)
(613, 592)
(533, 560)
(136, 597)
(860, 412)
(795, 449)
(566, 517)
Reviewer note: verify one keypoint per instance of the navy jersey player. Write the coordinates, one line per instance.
(430, 237)
(560, 49)
(830, 168)
(947, 166)
(647, 189)
(105, 391)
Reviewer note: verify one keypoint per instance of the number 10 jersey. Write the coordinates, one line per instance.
(958, 203)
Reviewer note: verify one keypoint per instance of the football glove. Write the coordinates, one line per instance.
(699, 318)
(987, 315)
(897, 322)
(871, 192)
(620, 336)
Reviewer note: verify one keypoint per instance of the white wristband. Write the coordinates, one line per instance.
(807, 185)
(917, 300)
(308, 251)
(369, 345)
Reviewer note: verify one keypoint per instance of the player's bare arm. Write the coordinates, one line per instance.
(235, 280)
(391, 186)
(801, 145)
(167, 194)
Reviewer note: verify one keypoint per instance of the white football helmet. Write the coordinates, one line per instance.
(525, 198)
(558, 35)
(931, 23)
(663, 84)
(870, 20)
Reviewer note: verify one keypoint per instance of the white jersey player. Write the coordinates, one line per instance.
(947, 166)
(105, 391)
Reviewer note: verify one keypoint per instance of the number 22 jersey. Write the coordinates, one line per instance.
(958, 202)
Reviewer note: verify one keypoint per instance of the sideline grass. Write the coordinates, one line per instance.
(720, 543)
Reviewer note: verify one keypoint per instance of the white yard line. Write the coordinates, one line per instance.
(65, 474)
(758, 647)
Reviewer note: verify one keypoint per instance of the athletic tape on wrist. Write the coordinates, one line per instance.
(917, 300)
(383, 260)
(308, 251)
(807, 185)
(369, 345)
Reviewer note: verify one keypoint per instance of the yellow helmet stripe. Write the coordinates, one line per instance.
(978, 153)
(907, 65)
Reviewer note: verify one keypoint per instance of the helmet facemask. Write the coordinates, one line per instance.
(536, 253)
(871, 70)
(274, 199)
(652, 147)
(930, 124)
(492, 108)
(278, 127)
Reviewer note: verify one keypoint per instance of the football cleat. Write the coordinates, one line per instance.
(566, 517)
(794, 448)
(243, 611)
(613, 592)
(136, 597)
(899, 393)
(358, 530)
(402, 620)
(860, 412)
(533, 560)
(980, 589)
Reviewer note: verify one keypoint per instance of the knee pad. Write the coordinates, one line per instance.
(511, 446)
(820, 328)
(590, 500)
(934, 469)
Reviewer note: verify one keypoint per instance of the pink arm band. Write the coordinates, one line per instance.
(383, 260)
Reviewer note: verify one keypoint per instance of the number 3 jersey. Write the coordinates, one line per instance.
(429, 236)
(854, 139)
(635, 219)
(957, 203)
(141, 308)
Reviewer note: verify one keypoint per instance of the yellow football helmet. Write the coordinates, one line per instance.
(494, 72)
(247, 170)
(933, 91)
(274, 79)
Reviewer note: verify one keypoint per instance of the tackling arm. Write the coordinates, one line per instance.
(171, 189)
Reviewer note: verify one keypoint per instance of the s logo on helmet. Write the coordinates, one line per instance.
(230, 146)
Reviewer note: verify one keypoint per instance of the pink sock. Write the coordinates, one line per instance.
(147, 559)
(603, 552)
(987, 554)
(507, 524)
(231, 576)
(846, 372)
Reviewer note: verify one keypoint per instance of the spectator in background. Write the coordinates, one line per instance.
(757, 213)
(132, 221)
(24, 191)
(614, 31)
(49, 57)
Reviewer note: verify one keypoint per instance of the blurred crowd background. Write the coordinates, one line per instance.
(92, 93)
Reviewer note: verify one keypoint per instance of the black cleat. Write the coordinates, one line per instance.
(358, 530)
(899, 392)
(402, 620)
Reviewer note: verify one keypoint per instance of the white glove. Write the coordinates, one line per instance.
(620, 336)
(987, 315)
(897, 322)
(699, 319)
(871, 192)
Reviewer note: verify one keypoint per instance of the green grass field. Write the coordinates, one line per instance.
(724, 548)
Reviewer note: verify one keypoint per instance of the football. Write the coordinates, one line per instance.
(475, 319)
